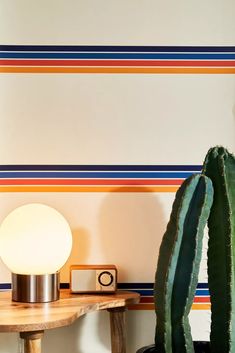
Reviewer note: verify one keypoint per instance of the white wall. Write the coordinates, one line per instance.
(112, 119)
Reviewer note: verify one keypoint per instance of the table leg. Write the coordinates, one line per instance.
(118, 333)
(32, 341)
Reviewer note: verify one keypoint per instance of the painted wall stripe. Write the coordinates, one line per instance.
(115, 182)
(59, 189)
(116, 70)
(98, 167)
(118, 175)
(144, 306)
(135, 63)
(116, 56)
(146, 300)
(94, 178)
(118, 48)
(117, 59)
(201, 299)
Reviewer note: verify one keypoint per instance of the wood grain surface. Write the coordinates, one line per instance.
(21, 317)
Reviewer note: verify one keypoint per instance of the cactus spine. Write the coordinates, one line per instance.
(178, 265)
(219, 165)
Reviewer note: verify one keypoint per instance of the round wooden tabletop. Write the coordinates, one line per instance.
(21, 317)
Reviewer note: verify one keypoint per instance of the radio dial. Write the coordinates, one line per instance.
(105, 278)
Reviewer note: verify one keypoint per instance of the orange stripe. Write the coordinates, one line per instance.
(119, 70)
(88, 189)
(201, 307)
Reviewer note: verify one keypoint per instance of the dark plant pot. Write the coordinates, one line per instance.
(199, 346)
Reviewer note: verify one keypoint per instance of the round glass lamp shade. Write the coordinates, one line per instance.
(35, 242)
(35, 239)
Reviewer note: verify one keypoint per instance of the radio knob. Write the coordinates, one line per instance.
(105, 278)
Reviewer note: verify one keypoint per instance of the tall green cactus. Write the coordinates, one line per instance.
(219, 165)
(178, 265)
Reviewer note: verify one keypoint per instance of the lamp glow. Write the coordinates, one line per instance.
(35, 240)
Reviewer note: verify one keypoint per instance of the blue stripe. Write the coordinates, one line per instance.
(117, 56)
(118, 48)
(196, 168)
(134, 175)
(150, 286)
(202, 292)
(146, 292)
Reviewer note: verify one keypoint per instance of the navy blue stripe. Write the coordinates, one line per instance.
(118, 48)
(150, 286)
(135, 285)
(101, 167)
(117, 56)
(4, 286)
(64, 285)
(202, 285)
(147, 175)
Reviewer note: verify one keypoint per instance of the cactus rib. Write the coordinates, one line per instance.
(219, 165)
(178, 265)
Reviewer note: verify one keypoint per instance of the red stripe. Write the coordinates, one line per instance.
(196, 300)
(183, 63)
(201, 300)
(146, 300)
(91, 181)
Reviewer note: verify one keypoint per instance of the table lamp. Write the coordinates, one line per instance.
(35, 242)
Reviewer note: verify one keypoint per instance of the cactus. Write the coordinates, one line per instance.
(178, 265)
(219, 165)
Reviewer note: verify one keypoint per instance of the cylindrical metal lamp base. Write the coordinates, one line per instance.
(35, 288)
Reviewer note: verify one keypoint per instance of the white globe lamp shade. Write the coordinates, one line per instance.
(35, 241)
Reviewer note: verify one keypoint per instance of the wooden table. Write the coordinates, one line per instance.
(30, 320)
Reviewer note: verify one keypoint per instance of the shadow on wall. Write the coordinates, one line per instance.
(131, 227)
(79, 253)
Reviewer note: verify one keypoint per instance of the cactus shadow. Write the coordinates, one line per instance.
(131, 226)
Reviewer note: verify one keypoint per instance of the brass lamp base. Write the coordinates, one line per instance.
(35, 288)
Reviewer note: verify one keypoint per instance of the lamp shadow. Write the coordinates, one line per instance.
(79, 253)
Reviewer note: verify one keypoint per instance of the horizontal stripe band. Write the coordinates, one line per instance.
(145, 299)
(88, 189)
(118, 48)
(117, 70)
(106, 63)
(146, 302)
(135, 285)
(148, 292)
(145, 306)
(118, 175)
(116, 56)
(126, 286)
(100, 167)
(90, 182)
